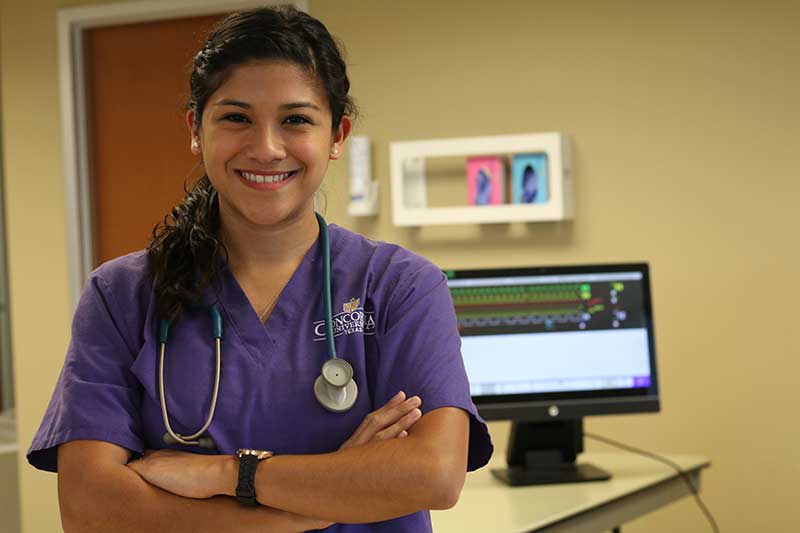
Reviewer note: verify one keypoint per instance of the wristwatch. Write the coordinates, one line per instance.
(248, 462)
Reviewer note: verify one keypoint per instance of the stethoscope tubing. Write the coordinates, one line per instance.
(188, 440)
(326, 282)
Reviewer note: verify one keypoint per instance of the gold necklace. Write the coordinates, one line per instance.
(261, 316)
(264, 312)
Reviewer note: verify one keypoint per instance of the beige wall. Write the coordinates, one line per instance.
(9, 495)
(685, 120)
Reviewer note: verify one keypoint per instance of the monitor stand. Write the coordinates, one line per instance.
(544, 452)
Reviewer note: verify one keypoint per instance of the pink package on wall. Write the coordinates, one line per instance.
(485, 180)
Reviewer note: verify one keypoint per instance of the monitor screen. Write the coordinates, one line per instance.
(547, 342)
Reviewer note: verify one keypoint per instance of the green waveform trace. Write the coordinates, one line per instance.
(518, 312)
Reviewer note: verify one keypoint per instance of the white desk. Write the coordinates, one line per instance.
(638, 485)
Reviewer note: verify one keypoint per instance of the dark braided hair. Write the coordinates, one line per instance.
(185, 255)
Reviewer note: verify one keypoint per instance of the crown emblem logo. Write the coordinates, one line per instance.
(352, 305)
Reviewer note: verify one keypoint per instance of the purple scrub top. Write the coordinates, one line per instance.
(393, 321)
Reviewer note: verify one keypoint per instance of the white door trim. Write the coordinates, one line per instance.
(72, 22)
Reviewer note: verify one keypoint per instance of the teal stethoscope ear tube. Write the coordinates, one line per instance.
(326, 282)
(335, 389)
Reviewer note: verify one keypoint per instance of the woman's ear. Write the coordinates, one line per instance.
(345, 125)
(194, 132)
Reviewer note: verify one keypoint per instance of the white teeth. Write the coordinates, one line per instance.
(258, 178)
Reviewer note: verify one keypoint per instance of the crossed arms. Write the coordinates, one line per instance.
(393, 465)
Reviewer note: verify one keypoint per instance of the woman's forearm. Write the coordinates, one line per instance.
(377, 481)
(115, 498)
(370, 483)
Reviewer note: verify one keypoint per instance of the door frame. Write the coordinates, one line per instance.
(72, 23)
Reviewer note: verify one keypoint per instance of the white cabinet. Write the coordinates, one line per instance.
(409, 197)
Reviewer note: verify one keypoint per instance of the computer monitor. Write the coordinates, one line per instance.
(546, 346)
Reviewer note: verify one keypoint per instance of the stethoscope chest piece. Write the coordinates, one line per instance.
(335, 388)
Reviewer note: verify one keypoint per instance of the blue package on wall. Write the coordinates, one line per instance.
(529, 179)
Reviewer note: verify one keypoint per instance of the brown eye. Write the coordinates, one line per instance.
(298, 120)
(235, 117)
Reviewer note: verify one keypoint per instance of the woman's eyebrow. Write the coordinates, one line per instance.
(296, 105)
(283, 107)
(236, 103)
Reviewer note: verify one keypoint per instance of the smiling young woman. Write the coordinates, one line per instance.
(266, 154)
(268, 110)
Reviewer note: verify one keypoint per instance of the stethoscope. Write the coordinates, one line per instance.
(335, 388)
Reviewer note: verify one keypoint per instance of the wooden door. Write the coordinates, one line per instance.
(138, 83)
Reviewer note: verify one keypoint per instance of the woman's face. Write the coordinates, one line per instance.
(266, 139)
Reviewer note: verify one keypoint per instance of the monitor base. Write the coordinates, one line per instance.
(550, 474)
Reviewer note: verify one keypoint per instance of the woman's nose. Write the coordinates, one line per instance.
(266, 145)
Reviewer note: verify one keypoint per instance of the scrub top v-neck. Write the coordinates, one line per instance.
(259, 336)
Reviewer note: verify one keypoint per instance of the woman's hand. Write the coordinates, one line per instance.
(191, 475)
(201, 476)
(389, 422)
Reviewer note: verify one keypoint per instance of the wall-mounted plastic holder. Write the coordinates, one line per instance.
(363, 189)
(409, 195)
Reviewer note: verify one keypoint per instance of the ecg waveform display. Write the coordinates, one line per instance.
(543, 308)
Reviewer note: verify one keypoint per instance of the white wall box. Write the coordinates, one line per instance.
(409, 196)
(363, 189)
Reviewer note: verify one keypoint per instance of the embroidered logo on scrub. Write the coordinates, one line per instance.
(352, 319)
(352, 305)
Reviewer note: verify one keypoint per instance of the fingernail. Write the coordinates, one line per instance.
(398, 395)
